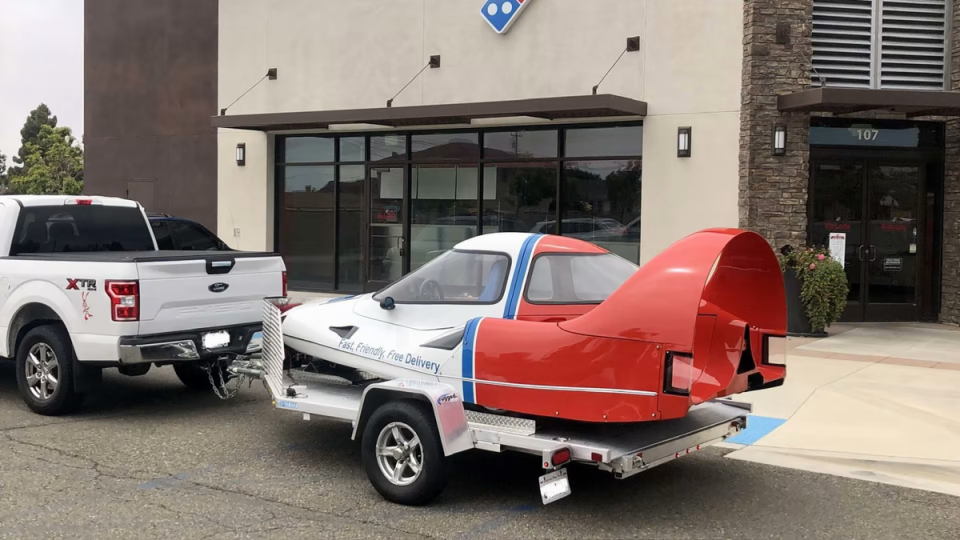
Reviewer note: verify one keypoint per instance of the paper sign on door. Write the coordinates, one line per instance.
(838, 246)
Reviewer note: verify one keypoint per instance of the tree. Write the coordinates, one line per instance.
(3, 173)
(39, 117)
(51, 165)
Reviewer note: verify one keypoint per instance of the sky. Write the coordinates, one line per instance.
(41, 61)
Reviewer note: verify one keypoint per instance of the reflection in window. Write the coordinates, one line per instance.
(309, 150)
(453, 277)
(445, 146)
(601, 204)
(444, 206)
(603, 142)
(519, 197)
(389, 148)
(349, 268)
(577, 279)
(520, 144)
(307, 221)
(353, 149)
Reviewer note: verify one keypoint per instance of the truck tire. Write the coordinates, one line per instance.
(195, 378)
(45, 371)
(402, 453)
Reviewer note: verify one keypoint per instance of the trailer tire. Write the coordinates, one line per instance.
(424, 468)
(47, 384)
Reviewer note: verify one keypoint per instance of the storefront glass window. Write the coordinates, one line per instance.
(444, 209)
(605, 142)
(309, 150)
(353, 149)
(519, 197)
(356, 212)
(388, 148)
(601, 204)
(445, 146)
(307, 220)
(350, 215)
(515, 145)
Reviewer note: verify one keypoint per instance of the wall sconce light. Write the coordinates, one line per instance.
(779, 140)
(684, 141)
(241, 154)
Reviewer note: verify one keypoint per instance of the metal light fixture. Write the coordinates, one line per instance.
(684, 141)
(779, 140)
(241, 154)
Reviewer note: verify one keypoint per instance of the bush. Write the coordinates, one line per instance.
(824, 284)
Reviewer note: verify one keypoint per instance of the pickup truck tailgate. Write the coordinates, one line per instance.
(200, 290)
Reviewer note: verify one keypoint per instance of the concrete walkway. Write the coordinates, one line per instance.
(878, 402)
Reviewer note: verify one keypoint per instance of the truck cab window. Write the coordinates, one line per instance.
(66, 229)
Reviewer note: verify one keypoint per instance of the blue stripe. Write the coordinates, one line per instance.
(758, 427)
(519, 272)
(466, 370)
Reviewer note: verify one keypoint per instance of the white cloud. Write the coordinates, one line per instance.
(41, 61)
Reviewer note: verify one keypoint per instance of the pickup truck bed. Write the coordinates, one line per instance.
(84, 287)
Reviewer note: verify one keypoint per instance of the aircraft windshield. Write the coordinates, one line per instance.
(454, 277)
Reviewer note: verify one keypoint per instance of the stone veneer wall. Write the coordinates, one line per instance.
(773, 190)
(950, 283)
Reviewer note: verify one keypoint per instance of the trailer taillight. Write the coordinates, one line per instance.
(284, 284)
(124, 300)
(678, 374)
(557, 458)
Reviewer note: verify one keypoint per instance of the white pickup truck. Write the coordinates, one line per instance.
(83, 287)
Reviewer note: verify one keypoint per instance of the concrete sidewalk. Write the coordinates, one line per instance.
(878, 402)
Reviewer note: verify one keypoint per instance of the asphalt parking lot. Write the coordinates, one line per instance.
(149, 459)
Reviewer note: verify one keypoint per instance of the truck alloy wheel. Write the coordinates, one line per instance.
(42, 371)
(402, 453)
(45, 371)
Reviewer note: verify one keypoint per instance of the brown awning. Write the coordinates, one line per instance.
(849, 100)
(556, 108)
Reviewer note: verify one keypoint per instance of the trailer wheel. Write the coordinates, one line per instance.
(45, 371)
(402, 453)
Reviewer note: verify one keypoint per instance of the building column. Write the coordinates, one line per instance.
(950, 281)
(773, 190)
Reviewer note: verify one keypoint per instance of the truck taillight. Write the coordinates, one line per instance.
(124, 300)
(284, 284)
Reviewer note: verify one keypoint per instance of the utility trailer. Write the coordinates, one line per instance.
(408, 428)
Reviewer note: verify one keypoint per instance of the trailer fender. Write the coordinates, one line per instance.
(442, 399)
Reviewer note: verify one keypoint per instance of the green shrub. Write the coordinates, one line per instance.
(824, 284)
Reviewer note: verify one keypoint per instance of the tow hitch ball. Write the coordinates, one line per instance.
(252, 369)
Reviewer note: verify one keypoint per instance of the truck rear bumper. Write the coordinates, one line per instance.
(187, 346)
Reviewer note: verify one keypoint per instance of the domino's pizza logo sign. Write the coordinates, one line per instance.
(501, 14)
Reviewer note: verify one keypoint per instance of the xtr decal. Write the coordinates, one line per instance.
(84, 284)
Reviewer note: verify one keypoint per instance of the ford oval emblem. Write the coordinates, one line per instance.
(218, 287)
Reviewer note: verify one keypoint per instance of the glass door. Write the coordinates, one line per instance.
(891, 255)
(387, 257)
(872, 209)
(836, 219)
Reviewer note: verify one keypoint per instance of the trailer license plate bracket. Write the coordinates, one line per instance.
(554, 486)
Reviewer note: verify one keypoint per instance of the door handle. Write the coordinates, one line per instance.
(873, 251)
(860, 252)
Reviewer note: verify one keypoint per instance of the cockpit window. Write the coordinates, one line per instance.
(576, 279)
(455, 277)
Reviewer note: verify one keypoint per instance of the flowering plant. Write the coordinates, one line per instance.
(824, 284)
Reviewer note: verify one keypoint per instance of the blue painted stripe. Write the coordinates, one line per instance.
(466, 369)
(758, 427)
(520, 272)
